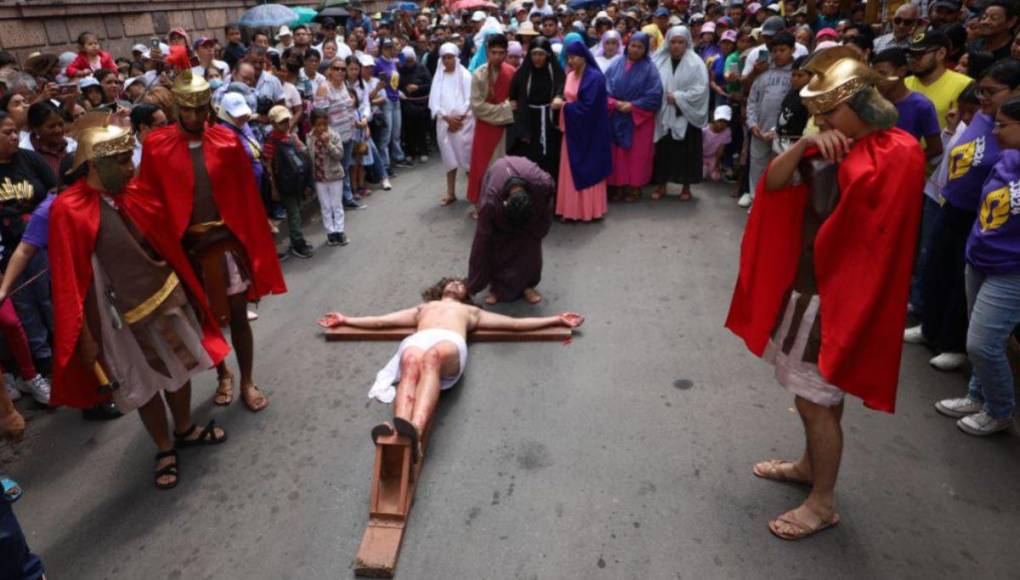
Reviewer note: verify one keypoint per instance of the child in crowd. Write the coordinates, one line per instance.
(90, 58)
(763, 106)
(326, 150)
(290, 173)
(716, 138)
(793, 115)
(917, 113)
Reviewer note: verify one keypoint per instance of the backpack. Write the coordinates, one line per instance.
(292, 168)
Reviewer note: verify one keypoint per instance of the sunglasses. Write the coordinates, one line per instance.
(903, 21)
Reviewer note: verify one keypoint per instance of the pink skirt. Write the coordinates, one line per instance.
(571, 204)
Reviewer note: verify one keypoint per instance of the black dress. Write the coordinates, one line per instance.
(678, 161)
(535, 131)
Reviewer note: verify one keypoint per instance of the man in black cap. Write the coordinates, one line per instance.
(328, 31)
(944, 12)
(926, 57)
(995, 29)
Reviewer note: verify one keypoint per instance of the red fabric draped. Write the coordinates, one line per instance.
(864, 254)
(167, 171)
(488, 136)
(74, 225)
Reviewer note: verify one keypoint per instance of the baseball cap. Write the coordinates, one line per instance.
(179, 32)
(277, 114)
(722, 113)
(386, 43)
(140, 48)
(674, 20)
(730, 35)
(774, 8)
(947, 4)
(773, 25)
(708, 27)
(753, 7)
(133, 80)
(478, 16)
(697, 17)
(661, 12)
(826, 33)
(202, 40)
(366, 60)
(87, 82)
(236, 106)
(925, 41)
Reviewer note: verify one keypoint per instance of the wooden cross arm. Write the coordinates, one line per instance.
(349, 333)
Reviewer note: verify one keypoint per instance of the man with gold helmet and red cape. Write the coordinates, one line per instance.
(203, 176)
(127, 305)
(825, 268)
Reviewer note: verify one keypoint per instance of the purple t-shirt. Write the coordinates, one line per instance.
(994, 243)
(37, 233)
(970, 162)
(386, 70)
(918, 116)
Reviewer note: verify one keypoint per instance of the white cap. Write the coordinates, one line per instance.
(723, 113)
(140, 48)
(366, 60)
(408, 52)
(137, 79)
(235, 105)
(284, 31)
(87, 82)
(674, 20)
(602, 14)
(478, 16)
(774, 7)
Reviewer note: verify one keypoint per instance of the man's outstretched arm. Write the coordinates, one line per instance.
(492, 321)
(400, 318)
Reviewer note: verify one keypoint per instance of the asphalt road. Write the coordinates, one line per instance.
(626, 454)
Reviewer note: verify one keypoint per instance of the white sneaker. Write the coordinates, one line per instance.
(252, 315)
(958, 407)
(38, 387)
(981, 424)
(13, 393)
(745, 200)
(949, 361)
(386, 184)
(424, 159)
(913, 335)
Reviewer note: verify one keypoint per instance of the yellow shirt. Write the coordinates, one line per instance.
(942, 93)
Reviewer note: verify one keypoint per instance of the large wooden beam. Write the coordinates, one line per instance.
(347, 333)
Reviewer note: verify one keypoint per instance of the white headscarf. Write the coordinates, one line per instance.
(688, 84)
(600, 51)
(440, 80)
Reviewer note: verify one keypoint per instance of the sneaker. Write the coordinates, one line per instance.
(913, 335)
(981, 424)
(38, 387)
(12, 392)
(745, 200)
(958, 407)
(423, 159)
(331, 240)
(301, 250)
(341, 239)
(386, 184)
(406, 162)
(252, 316)
(949, 361)
(356, 205)
(279, 214)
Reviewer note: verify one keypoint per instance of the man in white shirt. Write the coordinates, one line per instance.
(904, 24)
(205, 48)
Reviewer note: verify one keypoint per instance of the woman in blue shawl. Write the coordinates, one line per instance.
(585, 157)
(635, 95)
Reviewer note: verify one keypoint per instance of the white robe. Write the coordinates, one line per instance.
(451, 95)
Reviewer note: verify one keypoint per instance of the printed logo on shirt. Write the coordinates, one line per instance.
(998, 205)
(966, 156)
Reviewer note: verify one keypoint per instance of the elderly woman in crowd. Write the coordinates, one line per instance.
(535, 133)
(585, 156)
(635, 95)
(682, 116)
(608, 49)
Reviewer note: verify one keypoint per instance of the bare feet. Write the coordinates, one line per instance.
(802, 522)
(407, 429)
(254, 399)
(659, 192)
(531, 296)
(490, 299)
(167, 470)
(225, 391)
(447, 200)
(781, 470)
(473, 214)
(12, 425)
(686, 194)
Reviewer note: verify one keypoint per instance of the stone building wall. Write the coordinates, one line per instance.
(27, 26)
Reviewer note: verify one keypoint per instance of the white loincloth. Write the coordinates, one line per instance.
(384, 391)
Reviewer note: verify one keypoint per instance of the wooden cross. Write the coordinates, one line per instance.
(395, 474)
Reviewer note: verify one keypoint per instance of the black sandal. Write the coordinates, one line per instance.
(207, 437)
(407, 429)
(171, 469)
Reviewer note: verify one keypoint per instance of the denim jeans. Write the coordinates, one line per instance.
(380, 152)
(35, 306)
(994, 302)
(348, 155)
(16, 560)
(928, 215)
(389, 142)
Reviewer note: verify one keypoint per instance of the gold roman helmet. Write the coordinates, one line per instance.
(191, 90)
(838, 74)
(98, 139)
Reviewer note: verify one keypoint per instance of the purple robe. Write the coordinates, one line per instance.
(586, 124)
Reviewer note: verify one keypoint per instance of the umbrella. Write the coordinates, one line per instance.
(404, 7)
(305, 15)
(331, 3)
(472, 5)
(333, 12)
(268, 15)
(577, 4)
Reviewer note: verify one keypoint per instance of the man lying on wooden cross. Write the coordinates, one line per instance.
(434, 357)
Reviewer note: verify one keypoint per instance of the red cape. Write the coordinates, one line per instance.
(487, 136)
(74, 224)
(167, 171)
(864, 254)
